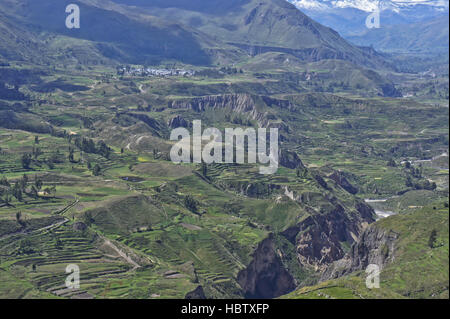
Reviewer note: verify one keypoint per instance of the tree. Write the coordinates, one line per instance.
(38, 183)
(432, 239)
(97, 170)
(103, 149)
(17, 192)
(408, 182)
(34, 192)
(19, 195)
(71, 158)
(36, 139)
(26, 161)
(190, 203)
(24, 182)
(19, 219)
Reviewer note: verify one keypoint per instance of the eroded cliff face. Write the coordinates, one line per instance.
(317, 242)
(252, 105)
(375, 246)
(266, 276)
(342, 181)
(249, 189)
(319, 238)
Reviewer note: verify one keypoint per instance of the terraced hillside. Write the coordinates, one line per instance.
(86, 177)
(97, 189)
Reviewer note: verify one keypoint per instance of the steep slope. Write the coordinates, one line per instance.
(260, 26)
(348, 16)
(153, 32)
(423, 37)
(106, 31)
(413, 261)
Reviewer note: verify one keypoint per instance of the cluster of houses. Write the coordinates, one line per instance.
(142, 71)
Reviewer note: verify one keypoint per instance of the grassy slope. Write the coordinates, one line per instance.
(219, 242)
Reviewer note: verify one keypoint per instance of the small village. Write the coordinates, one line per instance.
(143, 71)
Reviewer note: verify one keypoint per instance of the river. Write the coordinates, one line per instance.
(379, 212)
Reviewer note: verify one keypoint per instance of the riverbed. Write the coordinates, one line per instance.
(380, 212)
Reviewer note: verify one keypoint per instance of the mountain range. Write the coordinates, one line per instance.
(407, 26)
(191, 32)
(370, 5)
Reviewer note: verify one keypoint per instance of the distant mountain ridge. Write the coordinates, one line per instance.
(421, 37)
(348, 17)
(370, 5)
(414, 26)
(190, 31)
(260, 26)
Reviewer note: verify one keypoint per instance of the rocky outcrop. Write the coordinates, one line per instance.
(271, 102)
(177, 121)
(317, 242)
(239, 103)
(290, 160)
(266, 277)
(375, 246)
(254, 190)
(318, 238)
(151, 122)
(340, 179)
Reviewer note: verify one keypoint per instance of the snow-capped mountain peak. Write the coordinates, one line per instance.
(368, 5)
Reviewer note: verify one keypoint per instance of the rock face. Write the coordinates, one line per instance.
(375, 246)
(318, 238)
(177, 121)
(152, 123)
(316, 241)
(248, 104)
(254, 190)
(237, 102)
(290, 160)
(266, 276)
(340, 179)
